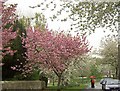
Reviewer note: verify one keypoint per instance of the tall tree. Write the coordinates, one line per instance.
(109, 52)
(78, 67)
(53, 50)
(12, 50)
(38, 21)
(18, 57)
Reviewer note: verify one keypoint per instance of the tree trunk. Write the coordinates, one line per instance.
(59, 82)
(53, 81)
(116, 73)
(119, 59)
(118, 42)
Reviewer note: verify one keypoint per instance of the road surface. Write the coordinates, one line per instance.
(98, 87)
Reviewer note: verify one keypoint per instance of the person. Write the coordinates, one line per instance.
(92, 83)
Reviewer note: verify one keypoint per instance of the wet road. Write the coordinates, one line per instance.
(98, 87)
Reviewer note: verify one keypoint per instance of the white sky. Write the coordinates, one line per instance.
(23, 9)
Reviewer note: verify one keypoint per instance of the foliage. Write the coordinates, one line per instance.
(12, 50)
(38, 21)
(85, 16)
(91, 15)
(94, 71)
(109, 51)
(47, 49)
(77, 68)
(8, 18)
(17, 59)
(13, 30)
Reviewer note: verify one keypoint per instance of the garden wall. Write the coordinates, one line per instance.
(19, 85)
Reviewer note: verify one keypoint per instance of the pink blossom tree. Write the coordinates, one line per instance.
(7, 34)
(8, 19)
(51, 50)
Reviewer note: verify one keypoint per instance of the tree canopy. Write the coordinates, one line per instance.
(109, 52)
(85, 16)
(54, 51)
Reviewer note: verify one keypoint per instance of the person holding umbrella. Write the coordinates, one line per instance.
(92, 81)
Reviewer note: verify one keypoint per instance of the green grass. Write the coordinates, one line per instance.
(82, 86)
(52, 87)
(75, 85)
(67, 88)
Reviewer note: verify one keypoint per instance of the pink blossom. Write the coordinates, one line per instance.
(53, 50)
(13, 68)
(8, 17)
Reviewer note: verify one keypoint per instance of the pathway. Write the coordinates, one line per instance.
(98, 87)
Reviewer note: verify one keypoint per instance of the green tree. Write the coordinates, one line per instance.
(25, 21)
(109, 52)
(77, 68)
(17, 59)
(38, 21)
(94, 71)
(87, 16)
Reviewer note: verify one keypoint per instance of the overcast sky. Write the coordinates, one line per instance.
(23, 9)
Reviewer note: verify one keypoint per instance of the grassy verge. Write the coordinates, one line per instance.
(82, 86)
(67, 88)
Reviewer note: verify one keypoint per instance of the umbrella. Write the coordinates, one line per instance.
(92, 76)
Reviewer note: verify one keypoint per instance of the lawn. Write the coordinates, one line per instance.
(67, 88)
(73, 86)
